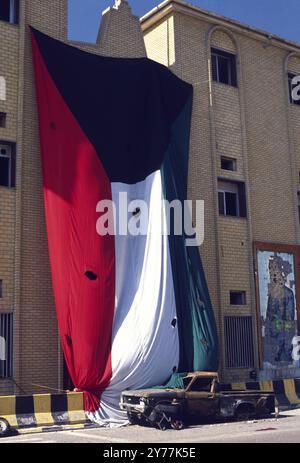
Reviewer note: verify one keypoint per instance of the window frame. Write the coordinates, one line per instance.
(229, 159)
(244, 297)
(13, 13)
(216, 54)
(224, 193)
(12, 163)
(237, 187)
(223, 190)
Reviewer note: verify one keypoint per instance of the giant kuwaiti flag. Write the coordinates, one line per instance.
(130, 309)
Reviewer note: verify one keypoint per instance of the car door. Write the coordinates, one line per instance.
(200, 401)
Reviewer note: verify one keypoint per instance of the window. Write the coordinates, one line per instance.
(6, 344)
(228, 163)
(9, 11)
(232, 198)
(2, 120)
(291, 87)
(223, 67)
(201, 384)
(237, 297)
(7, 165)
(238, 342)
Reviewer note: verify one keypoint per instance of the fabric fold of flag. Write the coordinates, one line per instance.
(131, 308)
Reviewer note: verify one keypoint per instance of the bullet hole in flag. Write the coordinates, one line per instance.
(68, 340)
(174, 322)
(91, 275)
(52, 125)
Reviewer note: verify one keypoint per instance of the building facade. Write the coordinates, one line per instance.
(244, 163)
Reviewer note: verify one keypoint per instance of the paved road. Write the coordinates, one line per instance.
(284, 429)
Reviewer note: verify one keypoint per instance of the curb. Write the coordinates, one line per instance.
(56, 428)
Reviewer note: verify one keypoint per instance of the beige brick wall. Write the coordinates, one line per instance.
(293, 66)
(272, 196)
(120, 33)
(161, 44)
(9, 49)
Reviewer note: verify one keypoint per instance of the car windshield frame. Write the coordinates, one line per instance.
(193, 379)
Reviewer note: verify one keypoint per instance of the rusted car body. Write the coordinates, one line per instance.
(200, 398)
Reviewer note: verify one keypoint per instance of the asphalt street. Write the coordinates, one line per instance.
(284, 429)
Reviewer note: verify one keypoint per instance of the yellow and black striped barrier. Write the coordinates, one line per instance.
(43, 411)
(287, 391)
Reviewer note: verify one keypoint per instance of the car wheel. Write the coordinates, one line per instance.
(177, 424)
(244, 413)
(4, 427)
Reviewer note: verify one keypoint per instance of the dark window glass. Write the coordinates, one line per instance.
(224, 70)
(228, 163)
(221, 203)
(231, 204)
(16, 12)
(214, 63)
(3, 120)
(186, 381)
(4, 10)
(242, 199)
(237, 298)
(4, 171)
(7, 165)
(224, 67)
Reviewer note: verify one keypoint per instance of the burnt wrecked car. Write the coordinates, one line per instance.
(194, 396)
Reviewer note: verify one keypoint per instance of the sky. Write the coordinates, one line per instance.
(280, 17)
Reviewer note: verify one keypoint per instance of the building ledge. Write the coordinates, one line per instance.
(179, 6)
